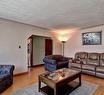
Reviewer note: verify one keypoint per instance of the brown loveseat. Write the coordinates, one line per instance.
(89, 63)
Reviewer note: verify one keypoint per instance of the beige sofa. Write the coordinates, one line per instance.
(89, 63)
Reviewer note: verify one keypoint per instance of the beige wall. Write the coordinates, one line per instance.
(13, 34)
(75, 43)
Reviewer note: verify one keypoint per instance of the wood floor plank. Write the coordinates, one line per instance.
(32, 77)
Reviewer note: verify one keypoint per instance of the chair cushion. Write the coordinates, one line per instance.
(88, 67)
(60, 64)
(57, 57)
(100, 69)
(49, 61)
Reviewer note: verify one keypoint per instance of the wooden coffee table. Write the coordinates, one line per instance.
(59, 82)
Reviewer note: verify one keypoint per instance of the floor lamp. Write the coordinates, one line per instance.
(63, 42)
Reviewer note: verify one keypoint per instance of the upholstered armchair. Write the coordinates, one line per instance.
(6, 76)
(54, 62)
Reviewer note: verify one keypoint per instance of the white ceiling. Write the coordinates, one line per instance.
(53, 14)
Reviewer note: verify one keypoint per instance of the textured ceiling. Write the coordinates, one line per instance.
(54, 13)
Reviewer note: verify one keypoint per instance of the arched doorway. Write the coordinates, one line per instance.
(38, 47)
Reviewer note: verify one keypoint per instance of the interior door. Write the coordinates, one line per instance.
(48, 47)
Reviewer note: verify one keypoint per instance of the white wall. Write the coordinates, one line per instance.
(13, 34)
(74, 44)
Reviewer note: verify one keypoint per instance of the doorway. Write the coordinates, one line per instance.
(38, 47)
(48, 47)
(29, 51)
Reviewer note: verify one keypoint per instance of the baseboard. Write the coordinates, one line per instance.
(18, 74)
(22, 73)
(38, 65)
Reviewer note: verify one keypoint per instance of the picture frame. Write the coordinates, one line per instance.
(92, 38)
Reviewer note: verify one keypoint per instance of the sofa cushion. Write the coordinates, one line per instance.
(93, 59)
(102, 56)
(82, 56)
(75, 60)
(101, 75)
(92, 62)
(88, 72)
(102, 59)
(100, 69)
(88, 67)
(76, 65)
(102, 62)
(3, 77)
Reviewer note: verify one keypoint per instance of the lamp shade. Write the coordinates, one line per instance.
(61, 38)
(64, 34)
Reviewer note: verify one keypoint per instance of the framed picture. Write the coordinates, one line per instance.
(92, 38)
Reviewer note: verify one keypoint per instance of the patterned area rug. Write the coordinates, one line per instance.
(85, 89)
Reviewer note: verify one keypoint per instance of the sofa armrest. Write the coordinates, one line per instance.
(6, 69)
(3, 76)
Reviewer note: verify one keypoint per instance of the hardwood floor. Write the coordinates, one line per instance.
(32, 77)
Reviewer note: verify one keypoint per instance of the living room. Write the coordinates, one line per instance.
(21, 19)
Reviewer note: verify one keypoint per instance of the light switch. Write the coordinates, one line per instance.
(19, 47)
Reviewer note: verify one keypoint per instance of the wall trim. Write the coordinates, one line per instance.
(91, 26)
(18, 74)
(26, 24)
(38, 65)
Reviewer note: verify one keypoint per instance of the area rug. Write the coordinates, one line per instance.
(86, 88)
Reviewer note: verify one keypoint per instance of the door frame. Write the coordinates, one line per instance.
(31, 55)
(29, 50)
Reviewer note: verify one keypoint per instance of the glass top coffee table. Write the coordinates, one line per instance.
(59, 82)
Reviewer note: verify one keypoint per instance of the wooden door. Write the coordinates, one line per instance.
(48, 47)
